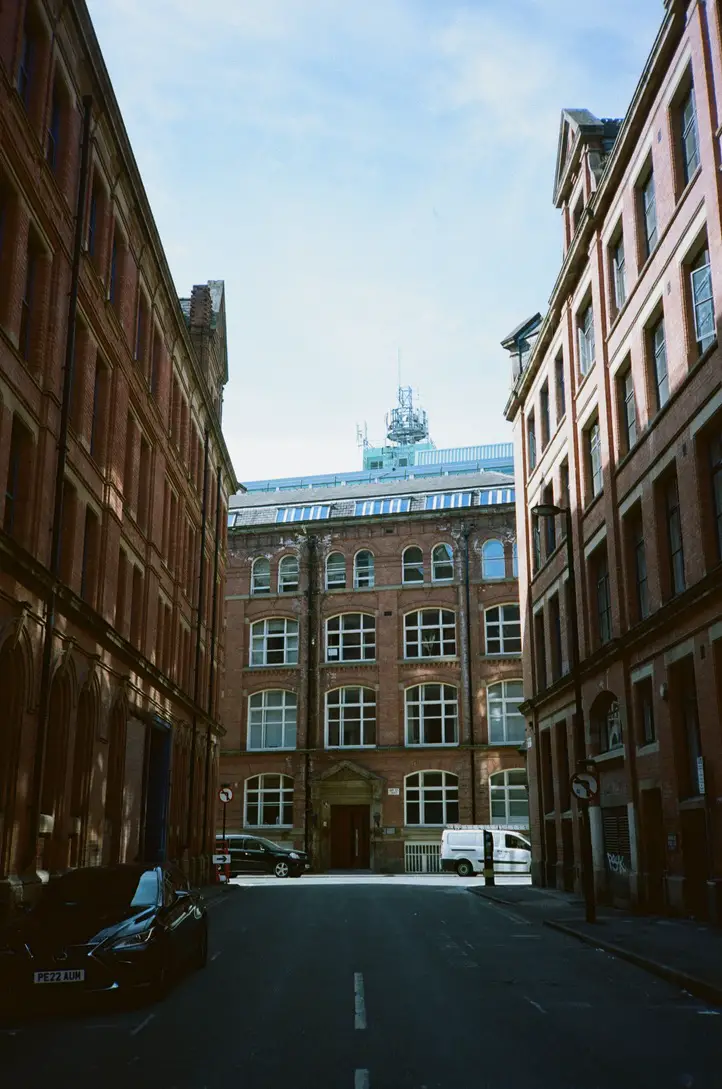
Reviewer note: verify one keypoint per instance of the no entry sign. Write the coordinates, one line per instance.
(225, 794)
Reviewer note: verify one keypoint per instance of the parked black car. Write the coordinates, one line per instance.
(124, 928)
(251, 854)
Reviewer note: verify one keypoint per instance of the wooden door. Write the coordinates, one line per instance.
(350, 837)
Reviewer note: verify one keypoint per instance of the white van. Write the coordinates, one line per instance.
(462, 849)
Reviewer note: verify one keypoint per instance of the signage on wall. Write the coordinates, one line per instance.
(393, 790)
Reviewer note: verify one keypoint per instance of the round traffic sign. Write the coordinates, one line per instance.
(225, 794)
(585, 785)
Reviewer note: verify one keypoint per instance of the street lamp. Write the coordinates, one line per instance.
(550, 510)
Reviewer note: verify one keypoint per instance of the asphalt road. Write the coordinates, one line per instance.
(383, 985)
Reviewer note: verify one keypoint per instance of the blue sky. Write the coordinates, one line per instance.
(366, 176)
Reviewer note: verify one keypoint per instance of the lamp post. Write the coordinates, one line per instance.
(549, 510)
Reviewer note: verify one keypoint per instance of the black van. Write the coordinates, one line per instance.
(252, 854)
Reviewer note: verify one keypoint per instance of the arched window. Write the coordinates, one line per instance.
(261, 576)
(492, 560)
(431, 797)
(336, 571)
(432, 715)
(442, 563)
(272, 720)
(350, 718)
(363, 569)
(288, 575)
(269, 801)
(506, 724)
(503, 629)
(430, 633)
(412, 565)
(509, 798)
(351, 637)
(274, 642)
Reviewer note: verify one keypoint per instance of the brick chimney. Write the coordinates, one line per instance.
(201, 306)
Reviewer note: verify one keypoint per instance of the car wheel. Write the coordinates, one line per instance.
(201, 958)
(161, 983)
(281, 869)
(464, 868)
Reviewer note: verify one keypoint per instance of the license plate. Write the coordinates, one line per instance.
(63, 975)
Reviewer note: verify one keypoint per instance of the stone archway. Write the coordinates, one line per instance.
(13, 690)
(85, 730)
(346, 806)
(53, 798)
(114, 783)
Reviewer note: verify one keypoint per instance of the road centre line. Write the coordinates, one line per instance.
(359, 1020)
(142, 1025)
(535, 1004)
(216, 955)
(361, 1079)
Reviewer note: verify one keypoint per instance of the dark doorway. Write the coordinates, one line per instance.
(568, 855)
(653, 849)
(158, 753)
(694, 851)
(350, 837)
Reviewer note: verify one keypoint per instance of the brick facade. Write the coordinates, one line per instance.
(618, 415)
(127, 718)
(327, 779)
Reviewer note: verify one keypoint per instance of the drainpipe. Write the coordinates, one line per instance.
(311, 685)
(211, 671)
(199, 628)
(44, 696)
(466, 669)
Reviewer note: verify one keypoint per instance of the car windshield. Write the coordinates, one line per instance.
(122, 889)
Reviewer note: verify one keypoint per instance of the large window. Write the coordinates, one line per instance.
(430, 633)
(442, 563)
(602, 595)
(351, 637)
(274, 642)
(702, 301)
(675, 549)
(627, 409)
(503, 629)
(336, 571)
(350, 718)
(506, 724)
(619, 274)
(492, 560)
(638, 556)
(432, 798)
(509, 798)
(447, 500)
(531, 441)
(272, 720)
(269, 801)
(288, 575)
(261, 576)
(649, 215)
(585, 333)
(367, 507)
(302, 514)
(432, 715)
(593, 444)
(689, 136)
(658, 348)
(412, 565)
(363, 569)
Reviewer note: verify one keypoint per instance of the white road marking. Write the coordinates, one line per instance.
(535, 1004)
(359, 1020)
(708, 1013)
(142, 1025)
(361, 1079)
(216, 955)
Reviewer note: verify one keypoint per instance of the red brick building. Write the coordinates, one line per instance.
(373, 667)
(617, 410)
(110, 629)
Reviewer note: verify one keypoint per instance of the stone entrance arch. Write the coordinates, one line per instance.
(343, 786)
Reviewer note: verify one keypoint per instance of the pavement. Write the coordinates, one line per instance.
(683, 951)
(384, 984)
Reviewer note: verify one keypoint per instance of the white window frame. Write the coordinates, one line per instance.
(289, 711)
(501, 789)
(261, 637)
(425, 627)
(338, 584)
(366, 703)
(507, 702)
(366, 579)
(366, 643)
(585, 336)
(303, 514)
(367, 507)
(447, 717)
(412, 565)
(496, 630)
(447, 561)
(700, 277)
(448, 500)
(282, 791)
(264, 589)
(485, 559)
(593, 435)
(619, 272)
(449, 785)
(283, 578)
